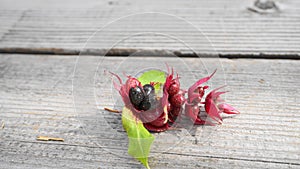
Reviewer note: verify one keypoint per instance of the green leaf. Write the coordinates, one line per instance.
(140, 139)
(153, 76)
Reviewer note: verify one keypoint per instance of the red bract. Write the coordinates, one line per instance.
(214, 106)
(174, 95)
(154, 119)
(213, 103)
(159, 124)
(195, 94)
(124, 89)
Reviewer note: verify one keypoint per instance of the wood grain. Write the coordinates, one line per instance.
(227, 28)
(40, 95)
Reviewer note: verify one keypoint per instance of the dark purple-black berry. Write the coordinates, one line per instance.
(143, 98)
(145, 104)
(149, 89)
(136, 95)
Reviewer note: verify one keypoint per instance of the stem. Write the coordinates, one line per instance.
(112, 110)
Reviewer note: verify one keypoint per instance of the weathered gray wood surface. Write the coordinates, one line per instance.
(36, 98)
(234, 28)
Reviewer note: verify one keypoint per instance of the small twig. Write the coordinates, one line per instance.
(46, 138)
(2, 125)
(112, 110)
(174, 128)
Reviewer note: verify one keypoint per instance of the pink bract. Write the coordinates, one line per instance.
(214, 105)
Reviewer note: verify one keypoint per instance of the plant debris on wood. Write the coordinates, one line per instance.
(2, 125)
(112, 110)
(46, 138)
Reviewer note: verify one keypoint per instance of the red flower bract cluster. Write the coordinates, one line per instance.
(166, 109)
(214, 105)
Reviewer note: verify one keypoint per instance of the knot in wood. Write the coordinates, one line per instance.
(265, 4)
(264, 7)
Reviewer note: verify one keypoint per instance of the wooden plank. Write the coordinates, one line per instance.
(227, 28)
(37, 98)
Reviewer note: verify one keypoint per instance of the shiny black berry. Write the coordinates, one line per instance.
(149, 89)
(145, 104)
(136, 95)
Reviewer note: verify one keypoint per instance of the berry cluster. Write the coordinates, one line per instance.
(142, 98)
